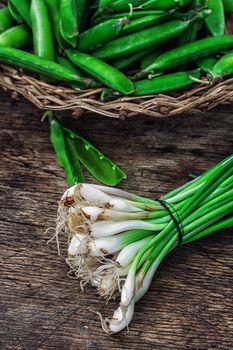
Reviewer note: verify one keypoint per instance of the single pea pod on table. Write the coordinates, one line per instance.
(57, 137)
(101, 167)
(72, 150)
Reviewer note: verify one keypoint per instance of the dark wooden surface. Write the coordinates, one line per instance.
(189, 305)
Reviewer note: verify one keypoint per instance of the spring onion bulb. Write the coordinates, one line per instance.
(117, 240)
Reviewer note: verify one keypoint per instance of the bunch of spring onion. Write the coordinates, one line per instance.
(116, 240)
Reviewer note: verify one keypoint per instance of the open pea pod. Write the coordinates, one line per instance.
(101, 167)
(73, 156)
(65, 154)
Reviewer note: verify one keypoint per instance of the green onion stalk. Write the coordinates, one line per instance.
(117, 240)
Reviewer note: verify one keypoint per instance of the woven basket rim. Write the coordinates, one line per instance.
(46, 96)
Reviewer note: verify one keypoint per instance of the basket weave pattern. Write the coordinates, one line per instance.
(50, 97)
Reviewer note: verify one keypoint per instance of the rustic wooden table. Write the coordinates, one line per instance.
(189, 305)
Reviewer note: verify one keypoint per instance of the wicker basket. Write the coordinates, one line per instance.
(46, 96)
(200, 98)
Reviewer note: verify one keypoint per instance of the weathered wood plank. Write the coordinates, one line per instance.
(189, 305)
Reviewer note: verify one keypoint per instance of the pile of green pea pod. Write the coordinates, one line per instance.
(137, 47)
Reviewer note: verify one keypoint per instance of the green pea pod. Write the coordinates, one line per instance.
(166, 83)
(124, 5)
(23, 9)
(190, 52)
(57, 137)
(75, 85)
(101, 167)
(28, 61)
(17, 37)
(103, 7)
(228, 5)
(146, 38)
(81, 6)
(101, 71)
(69, 21)
(125, 62)
(42, 31)
(223, 67)
(131, 16)
(83, 9)
(190, 34)
(88, 82)
(215, 22)
(104, 4)
(66, 63)
(148, 59)
(163, 4)
(207, 63)
(100, 34)
(74, 158)
(14, 13)
(142, 23)
(6, 20)
(53, 10)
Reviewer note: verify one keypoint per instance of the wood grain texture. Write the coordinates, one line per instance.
(189, 305)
